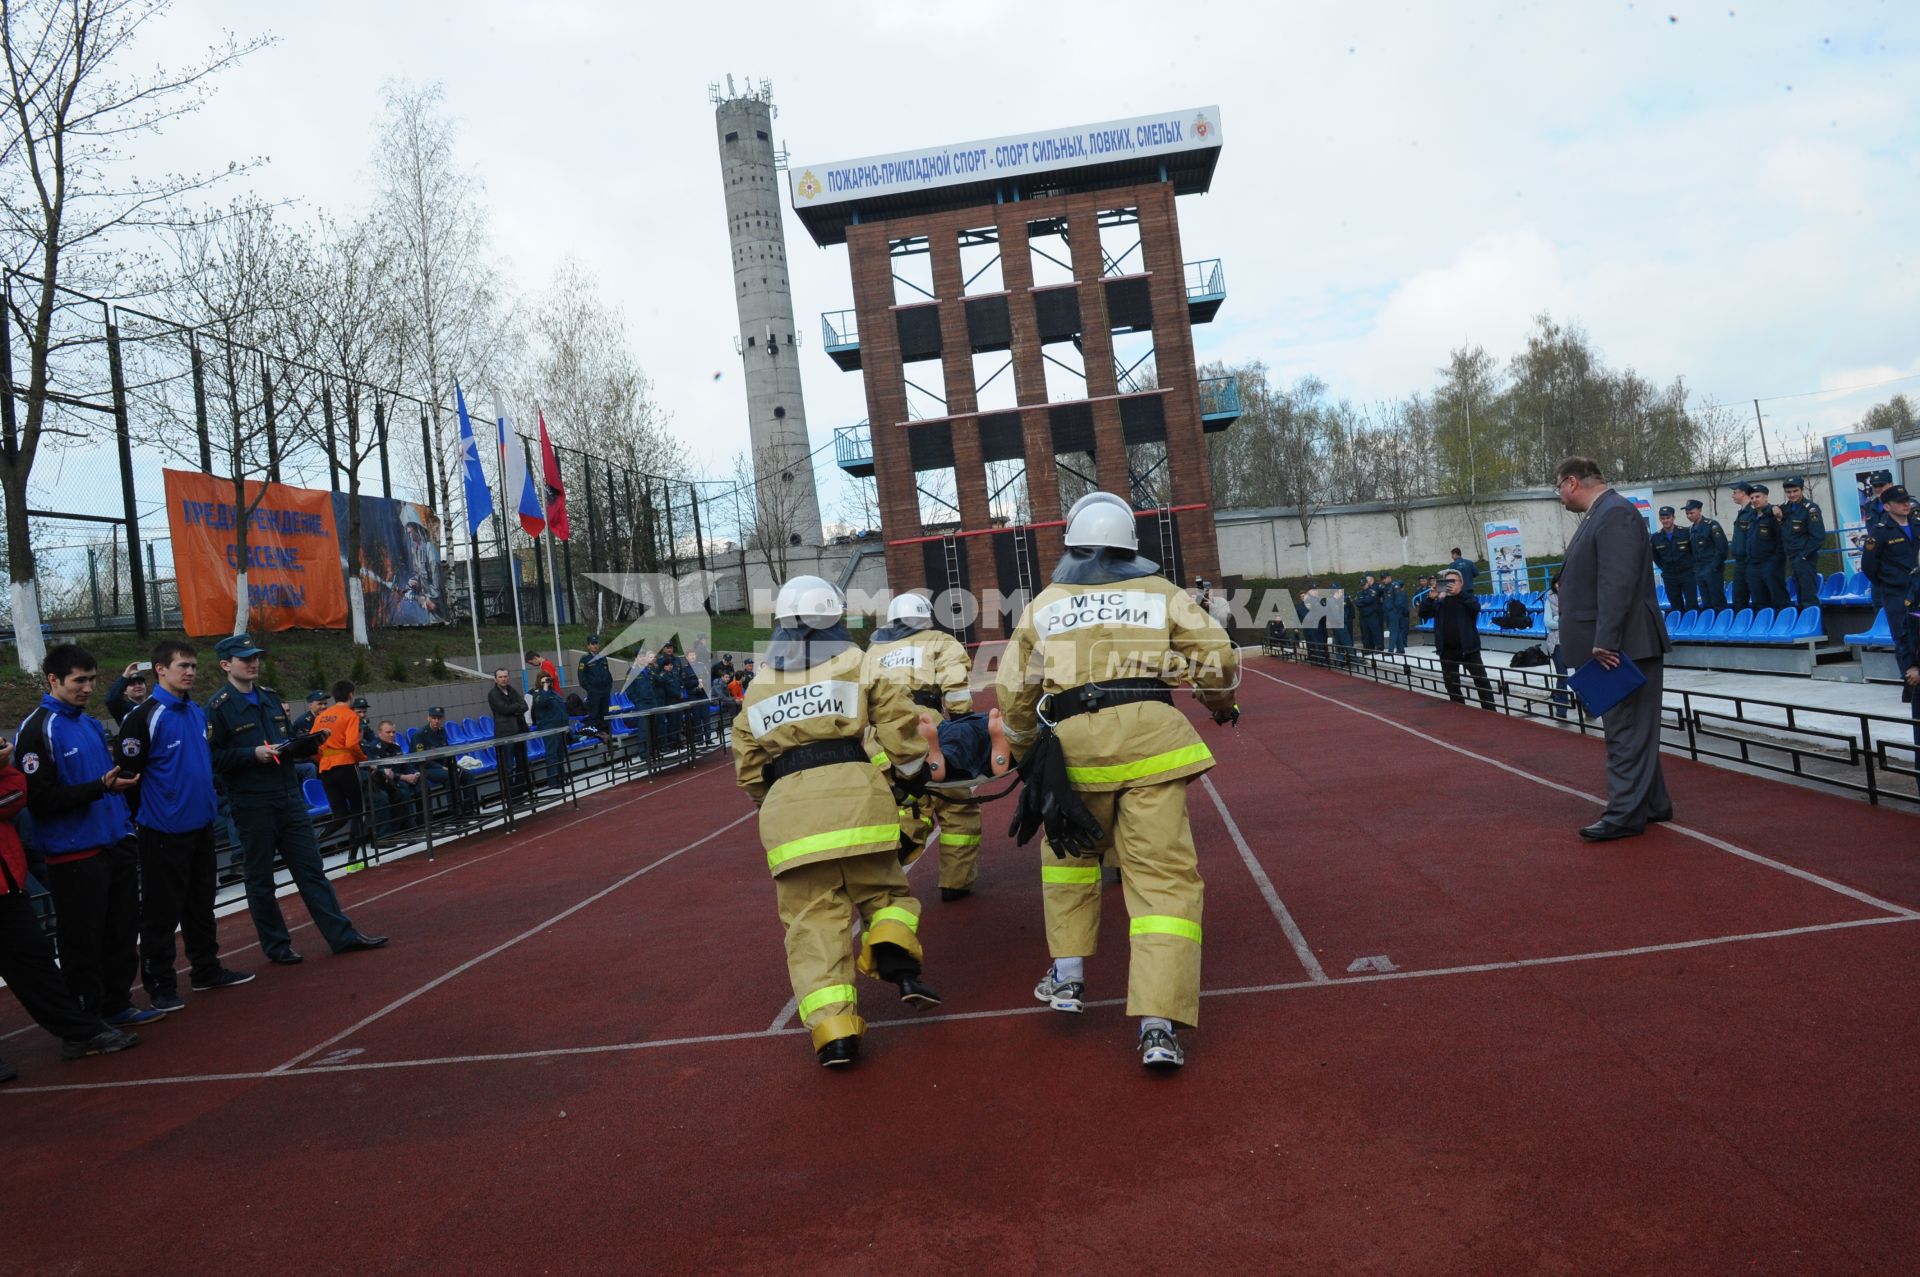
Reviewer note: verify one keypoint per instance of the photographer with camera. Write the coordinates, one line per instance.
(1456, 635)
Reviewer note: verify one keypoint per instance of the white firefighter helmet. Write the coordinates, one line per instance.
(910, 607)
(811, 601)
(1102, 524)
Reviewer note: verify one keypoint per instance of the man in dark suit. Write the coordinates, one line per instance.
(1608, 610)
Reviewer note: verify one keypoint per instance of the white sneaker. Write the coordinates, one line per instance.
(1160, 1049)
(1061, 995)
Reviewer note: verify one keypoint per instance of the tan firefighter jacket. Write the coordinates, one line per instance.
(842, 809)
(1145, 627)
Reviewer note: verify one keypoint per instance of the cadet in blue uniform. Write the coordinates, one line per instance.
(1874, 502)
(1673, 555)
(1737, 544)
(1887, 555)
(1906, 648)
(596, 682)
(1367, 605)
(1707, 542)
(1766, 559)
(246, 726)
(1803, 533)
(1393, 604)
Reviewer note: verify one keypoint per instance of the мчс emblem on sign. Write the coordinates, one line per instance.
(809, 185)
(1202, 125)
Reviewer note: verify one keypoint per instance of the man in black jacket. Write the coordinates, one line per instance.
(1456, 635)
(509, 710)
(444, 772)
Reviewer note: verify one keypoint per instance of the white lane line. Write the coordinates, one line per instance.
(1852, 893)
(405, 886)
(498, 949)
(786, 1013)
(1295, 937)
(956, 1016)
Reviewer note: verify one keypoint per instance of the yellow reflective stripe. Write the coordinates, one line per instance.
(822, 997)
(1155, 924)
(1182, 757)
(959, 840)
(830, 840)
(1069, 873)
(880, 759)
(893, 913)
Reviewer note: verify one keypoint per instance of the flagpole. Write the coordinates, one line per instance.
(506, 542)
(473, 544)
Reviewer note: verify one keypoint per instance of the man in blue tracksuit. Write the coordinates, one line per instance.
(78, 800)
(164, 742)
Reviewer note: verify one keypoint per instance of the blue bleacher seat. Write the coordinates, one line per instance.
(1761, 627)
(1879, 634)
(1859, 589)
(1683, 625)
(1830, 586)
(316, 795)
(1660, 592)
(1737, 632)
(410, 739)
(1722, 623)
(1808, 625)
(1782, 629)
(456, 732)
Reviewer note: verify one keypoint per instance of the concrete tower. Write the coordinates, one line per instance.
(769, 351)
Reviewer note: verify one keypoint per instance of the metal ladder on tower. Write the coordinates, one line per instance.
(950, 545)
(1169, 545)
(1022, 564)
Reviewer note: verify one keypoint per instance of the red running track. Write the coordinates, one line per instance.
(1688, 1052)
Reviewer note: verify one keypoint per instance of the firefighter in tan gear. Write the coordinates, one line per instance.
(827, 816)
(933, 667)
(1094, 659)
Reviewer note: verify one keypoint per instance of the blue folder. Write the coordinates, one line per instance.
(1601, 688)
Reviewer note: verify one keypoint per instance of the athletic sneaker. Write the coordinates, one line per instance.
(134, 1015)
(224, 978)
(1160, 1049)
(1061, 995)
(167, 1000)
(105, 1042)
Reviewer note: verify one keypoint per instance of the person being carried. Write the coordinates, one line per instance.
(965, 750)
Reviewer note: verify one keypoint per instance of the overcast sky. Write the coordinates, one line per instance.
(1727, 193)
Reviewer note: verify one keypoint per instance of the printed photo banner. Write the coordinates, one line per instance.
(1507, 554)
(400, 569)
(293, 555)
(1851, 461)
(1642, 499)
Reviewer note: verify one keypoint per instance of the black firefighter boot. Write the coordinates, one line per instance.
(896, 965)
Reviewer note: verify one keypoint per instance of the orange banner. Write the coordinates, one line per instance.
(293, 555)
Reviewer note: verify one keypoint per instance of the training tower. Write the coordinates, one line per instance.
(1054, 256)
(767, 341)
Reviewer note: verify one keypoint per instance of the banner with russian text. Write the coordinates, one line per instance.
(1507, 556)
(1852, 460)
(1642, 499)
(293, 555)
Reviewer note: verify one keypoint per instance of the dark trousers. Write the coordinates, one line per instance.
(268, 823)
(176, 890)
(1710, 585)
(1450, 674)
(1806, 579)
(396, 806)
(1636, 785)
(1739, 599)
(597, 703)
(1767, 584)
(343, 789)
(451, 779)
(1397, 631)
(1680, 590)
(96, 904)
(27, 965)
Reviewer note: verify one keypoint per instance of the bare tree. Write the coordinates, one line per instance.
(1723, 437)
(769, 511)
(73, 110)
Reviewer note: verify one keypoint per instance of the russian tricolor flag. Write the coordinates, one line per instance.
(518, 481)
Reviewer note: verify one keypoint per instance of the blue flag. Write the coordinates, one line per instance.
(479, 495)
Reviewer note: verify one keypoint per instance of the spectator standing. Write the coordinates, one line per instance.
(341, 751)
(1464, 566)
(127, 691)
(1875, 501)
(1456, 636)
(1551, 618)
(26, 955)
(248, 730)
(539, 665)
(78, 799)
(1371, 613)
(596, 682)
(550, 712)
(1766, 556)
(1673, 555)
(164, 742)
(1707, 541)
(509, 710)
(1609, 611)
(640, 693)
(1906, 648)
(1803, 532)
(1887, 554)
(1737, 543)
(1393, 603)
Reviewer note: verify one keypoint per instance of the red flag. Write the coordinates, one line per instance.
(556, 490)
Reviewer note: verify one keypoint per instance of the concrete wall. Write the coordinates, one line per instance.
(1261, 543)
(830, 561)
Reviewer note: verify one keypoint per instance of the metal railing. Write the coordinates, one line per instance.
(853, 445)
(1849, 751)
(1206, 279)
(840, 329)
(1219, 397)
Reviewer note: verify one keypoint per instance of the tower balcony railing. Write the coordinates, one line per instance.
(1219, 399)
(1206, 280)
(840, 330)
(853, 449)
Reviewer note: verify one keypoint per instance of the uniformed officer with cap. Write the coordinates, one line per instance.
(1737, 542)
(596, 683)
(1708, 544)
(1803, 533)
(1766, 559)
(1875, 501)
(1673, 555)
(248, 730)
(1887, 555)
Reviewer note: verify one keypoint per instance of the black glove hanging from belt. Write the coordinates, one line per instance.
(1046, 799)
